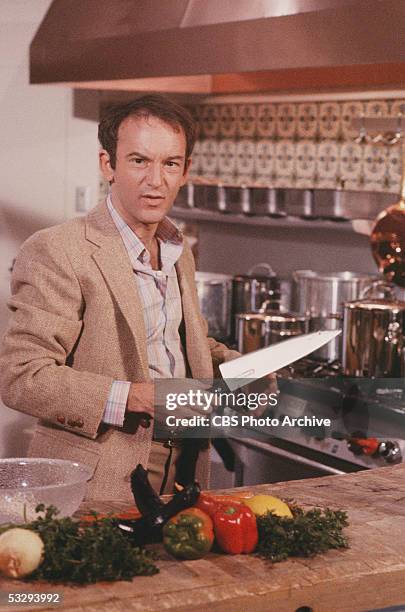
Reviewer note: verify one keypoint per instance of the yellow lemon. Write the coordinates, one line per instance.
(260, 504)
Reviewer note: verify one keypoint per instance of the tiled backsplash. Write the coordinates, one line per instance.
(295, 144)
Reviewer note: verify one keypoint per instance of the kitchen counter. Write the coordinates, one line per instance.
(369, 575)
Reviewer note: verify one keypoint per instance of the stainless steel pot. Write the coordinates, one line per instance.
(299, 203)
(267, 201)
(218, 197)
(215, 299)
(234, 199)
(373, 335)
(286, 284)
(256, 330)
(185, 196)
(322, 295)
(252, 289)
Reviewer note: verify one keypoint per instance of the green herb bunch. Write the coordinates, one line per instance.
(81, 554)
(304, 535)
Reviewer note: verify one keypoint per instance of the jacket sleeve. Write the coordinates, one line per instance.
(46, 321)
(219, 352)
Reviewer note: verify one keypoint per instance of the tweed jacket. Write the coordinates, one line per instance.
(77, 325)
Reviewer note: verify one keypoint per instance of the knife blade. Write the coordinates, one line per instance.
(255, 365)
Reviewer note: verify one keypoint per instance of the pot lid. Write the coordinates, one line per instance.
(256, 277)
(211, 277)
(275, 317)
(394, 306)
(345, 276)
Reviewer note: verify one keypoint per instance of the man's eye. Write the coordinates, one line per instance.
(138, 161)
(172, 164)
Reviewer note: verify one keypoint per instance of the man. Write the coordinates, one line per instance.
(104, 304)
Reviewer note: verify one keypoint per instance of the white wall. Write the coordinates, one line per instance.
(45, 153)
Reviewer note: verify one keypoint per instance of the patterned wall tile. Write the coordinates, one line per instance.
(264, 158)
(375, 108)
(307, 120)
(374, 167)
(227, 120)
(209, 120)
(305, 157)
(284, 158)
(266, 120)
(226, 156)
(394, 169)
(246, 121)
(349, 111)
(351, 162)
(209, 151)
(329, 120)
(245, 157)
(295, 144)
(327, 166)
(286, 120)
(398, 107)
(308, 144)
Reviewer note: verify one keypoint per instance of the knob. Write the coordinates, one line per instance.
(363, 446)
(390, 451)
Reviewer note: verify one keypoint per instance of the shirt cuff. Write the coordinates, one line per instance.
(114, 411)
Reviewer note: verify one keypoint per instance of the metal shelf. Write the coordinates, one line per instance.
(198, 214)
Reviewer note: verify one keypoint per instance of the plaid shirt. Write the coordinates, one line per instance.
(162, 311)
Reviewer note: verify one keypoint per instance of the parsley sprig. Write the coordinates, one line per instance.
(85, 553)
(305, 535)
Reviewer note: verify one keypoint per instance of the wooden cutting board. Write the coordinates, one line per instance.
(371, 574)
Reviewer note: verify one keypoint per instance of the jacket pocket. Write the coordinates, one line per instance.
(47, 443)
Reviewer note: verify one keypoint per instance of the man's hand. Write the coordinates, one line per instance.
(140, 406)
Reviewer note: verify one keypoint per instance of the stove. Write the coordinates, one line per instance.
(367, 427)
(367, 416)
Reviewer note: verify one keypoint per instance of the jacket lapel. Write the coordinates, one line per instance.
(198, 353)
(112, 260)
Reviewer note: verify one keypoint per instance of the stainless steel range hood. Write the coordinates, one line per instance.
(88, 42)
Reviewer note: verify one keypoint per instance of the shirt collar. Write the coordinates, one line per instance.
(168, 234)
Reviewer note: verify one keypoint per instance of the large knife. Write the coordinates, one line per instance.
(255, 365)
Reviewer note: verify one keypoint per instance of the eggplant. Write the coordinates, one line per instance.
(145, 496)
(148, 529)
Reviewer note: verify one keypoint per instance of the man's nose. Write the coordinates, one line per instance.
(155, 175)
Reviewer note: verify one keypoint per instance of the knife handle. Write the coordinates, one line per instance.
(145, 422)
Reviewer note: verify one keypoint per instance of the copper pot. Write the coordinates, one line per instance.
(373, 335)
(257, 330)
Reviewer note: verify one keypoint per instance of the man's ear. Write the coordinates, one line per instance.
(187, 167)
(105, 165)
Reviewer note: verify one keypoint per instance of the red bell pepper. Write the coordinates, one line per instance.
(211, 503)
(235, 528)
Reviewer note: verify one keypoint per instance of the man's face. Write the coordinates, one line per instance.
(149, 169)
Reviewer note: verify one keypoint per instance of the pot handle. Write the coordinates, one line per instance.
(270, 271)
(296, 275)
(379, 286)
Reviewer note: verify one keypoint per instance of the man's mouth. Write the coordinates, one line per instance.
(153, 197)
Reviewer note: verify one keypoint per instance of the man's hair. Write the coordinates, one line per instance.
(153, 105)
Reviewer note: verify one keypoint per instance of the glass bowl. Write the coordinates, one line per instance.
(27, 482)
